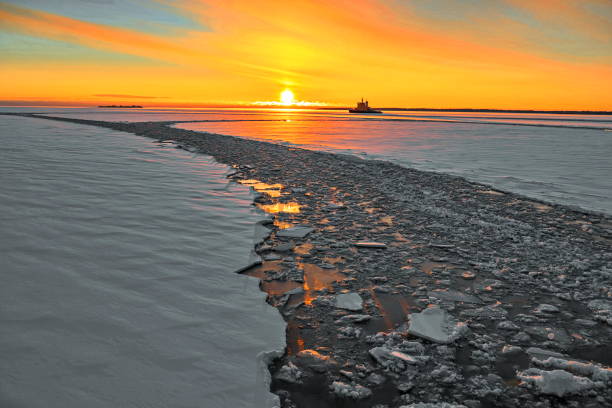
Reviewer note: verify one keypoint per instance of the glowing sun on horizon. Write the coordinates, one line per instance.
(287, 97)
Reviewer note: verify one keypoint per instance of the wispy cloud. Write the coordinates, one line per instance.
(48, 25)
(129, 96)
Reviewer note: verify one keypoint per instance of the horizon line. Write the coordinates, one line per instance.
(62, 104)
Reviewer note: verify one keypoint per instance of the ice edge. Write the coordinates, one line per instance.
(265, 399)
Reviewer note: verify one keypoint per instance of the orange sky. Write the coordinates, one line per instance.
(545, 54)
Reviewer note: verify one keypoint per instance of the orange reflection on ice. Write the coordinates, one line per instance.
(300, 344)
(290, 208)
(282, 224)
(271, 193)
(273, 190)
(295, 342)
(303, 249)
(274, 287)
(387, 220)
(316, 279)
(308, 298)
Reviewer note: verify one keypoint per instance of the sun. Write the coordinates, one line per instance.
(287, 97)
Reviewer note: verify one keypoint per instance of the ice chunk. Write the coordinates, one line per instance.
(289, 373)
(298, 231)
(382, 355)
(349, 301)
(350, 391)
(353, 318)
(556, 382)
(436, 325)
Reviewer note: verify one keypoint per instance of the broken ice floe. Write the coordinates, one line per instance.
(555, 382)
(289, 373)
(345, 390)
(353, 318)
(602, 310)
(394, 360)
(349, 301)
(561, 377)
(436, 325)
(299, 231)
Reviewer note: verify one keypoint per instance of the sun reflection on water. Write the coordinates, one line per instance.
(282, 224)
(289, 208)
(273, 190)
(316, 279)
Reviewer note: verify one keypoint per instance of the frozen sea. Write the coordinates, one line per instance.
(564, 159)
(117, 265)
(560, 158)
(118, 253)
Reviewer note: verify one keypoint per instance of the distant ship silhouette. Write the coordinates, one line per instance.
(363, 107)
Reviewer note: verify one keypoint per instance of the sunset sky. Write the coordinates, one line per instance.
(544, 54)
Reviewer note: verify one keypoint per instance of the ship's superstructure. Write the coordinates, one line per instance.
(363, 107)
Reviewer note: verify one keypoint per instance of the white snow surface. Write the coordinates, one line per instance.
(117, 260)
